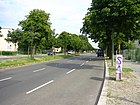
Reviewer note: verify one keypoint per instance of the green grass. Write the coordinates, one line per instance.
(127, 70)
(113, 69)
(25, 61)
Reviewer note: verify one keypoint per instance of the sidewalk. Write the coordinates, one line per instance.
(127, 91)
(133, 65)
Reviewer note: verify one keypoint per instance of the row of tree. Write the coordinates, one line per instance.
(109, 21)
(0, 34)
(36, 34)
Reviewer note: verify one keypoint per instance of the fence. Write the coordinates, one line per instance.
(132, 54)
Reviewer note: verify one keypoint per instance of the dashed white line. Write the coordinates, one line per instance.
(70, 71)
(69, 61)
(87, 61)
(39, 70)
(82, 64)
(5, 79)
(39, 87)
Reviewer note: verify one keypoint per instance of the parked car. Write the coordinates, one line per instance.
(50, 53)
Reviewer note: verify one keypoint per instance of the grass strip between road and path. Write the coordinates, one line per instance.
(125, 70)
(26, 61)
(112, 69)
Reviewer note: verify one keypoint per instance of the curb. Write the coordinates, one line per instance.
(103, 96)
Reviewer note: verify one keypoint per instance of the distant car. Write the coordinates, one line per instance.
(100, 53)
(50, 53)
(71, 52)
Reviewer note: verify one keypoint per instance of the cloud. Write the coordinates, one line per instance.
(66, 15)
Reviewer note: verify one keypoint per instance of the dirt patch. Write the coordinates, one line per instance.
(125, 92)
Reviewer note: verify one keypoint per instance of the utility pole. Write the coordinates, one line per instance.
(112, 61)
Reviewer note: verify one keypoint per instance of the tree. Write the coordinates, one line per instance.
(64, 40)
(14, 36)
(112, 20)
(85, 44)
(37, 26)
(75, 42)
(0, 31)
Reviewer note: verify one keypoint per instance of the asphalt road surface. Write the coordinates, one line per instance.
(72, 81)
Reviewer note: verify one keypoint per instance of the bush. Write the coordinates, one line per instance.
(8, 53)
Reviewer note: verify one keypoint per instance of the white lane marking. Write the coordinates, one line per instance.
(69, 61)
(39, 70)
(5, 79)
(82, 64)
(70, 71)
(86, 61)
(39, 87)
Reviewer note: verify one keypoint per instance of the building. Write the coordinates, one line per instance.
(4, 45)
(57, 49)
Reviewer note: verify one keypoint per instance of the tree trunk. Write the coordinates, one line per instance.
(33, 51)
(64, 50)
(28, 51)
(109, 49)
(15, 47)
(119, 44)
(119, 48)
(109, 43)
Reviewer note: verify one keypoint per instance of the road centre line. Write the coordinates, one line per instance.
(70, 71)
(69, 61)
(82, 64)
(39, 87)
(39, 70)
(5, 79)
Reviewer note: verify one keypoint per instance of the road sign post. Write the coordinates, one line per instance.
(119, 59)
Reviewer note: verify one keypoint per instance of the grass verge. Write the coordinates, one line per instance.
(125, 70)
(25, 61)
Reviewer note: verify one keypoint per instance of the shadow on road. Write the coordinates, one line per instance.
(94, 58)
(71, 66)
(97, 78)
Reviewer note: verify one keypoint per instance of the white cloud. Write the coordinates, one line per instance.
(66, 15)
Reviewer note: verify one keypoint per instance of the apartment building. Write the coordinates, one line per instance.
(4, 45)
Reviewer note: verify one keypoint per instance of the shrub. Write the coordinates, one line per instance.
(8, 53)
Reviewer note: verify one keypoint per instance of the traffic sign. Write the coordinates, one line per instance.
(119, 61)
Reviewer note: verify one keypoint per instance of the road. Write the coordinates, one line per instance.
(71, 81)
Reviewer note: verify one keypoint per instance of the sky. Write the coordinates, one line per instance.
(65, 15)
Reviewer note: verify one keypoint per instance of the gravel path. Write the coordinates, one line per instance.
(127, 91)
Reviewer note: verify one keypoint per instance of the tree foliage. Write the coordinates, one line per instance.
(105, 18)
(36, 34)
(64, 40)
(0, 31)
(85, 44)
(73, 42)
(14, 36)
(37, 27)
